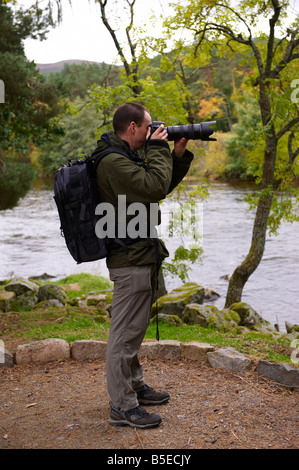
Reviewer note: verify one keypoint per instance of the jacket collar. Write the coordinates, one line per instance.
(111, 139)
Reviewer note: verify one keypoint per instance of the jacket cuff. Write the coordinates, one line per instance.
(158, 143)
(186, 159)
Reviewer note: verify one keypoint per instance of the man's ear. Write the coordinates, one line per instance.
(132, 127)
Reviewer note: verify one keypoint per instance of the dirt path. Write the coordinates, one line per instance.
(66, 406)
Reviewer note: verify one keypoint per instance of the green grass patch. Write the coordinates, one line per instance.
(72, 323)
(67, 323)
(255, 344)
(79, 284)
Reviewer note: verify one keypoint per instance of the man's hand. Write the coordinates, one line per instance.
(160, 133)
(180, 147)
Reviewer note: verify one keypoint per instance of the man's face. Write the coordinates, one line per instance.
(142, 132)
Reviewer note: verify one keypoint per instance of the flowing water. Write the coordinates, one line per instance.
(31, 244)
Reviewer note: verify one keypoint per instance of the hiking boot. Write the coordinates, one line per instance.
(136, 418)
(148, 396)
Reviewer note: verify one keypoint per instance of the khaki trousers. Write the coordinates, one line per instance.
(133, 296)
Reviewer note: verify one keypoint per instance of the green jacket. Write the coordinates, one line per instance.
(117, 175)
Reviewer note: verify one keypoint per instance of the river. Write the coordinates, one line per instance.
(31, 244)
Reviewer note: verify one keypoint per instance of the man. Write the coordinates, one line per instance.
(132, 264)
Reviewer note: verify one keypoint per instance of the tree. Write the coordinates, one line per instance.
(78, 139)
(274, 54)
(75, 79)
(30, 102)
(141, 82)
(27, 115)
(140, 79)
(131, 66)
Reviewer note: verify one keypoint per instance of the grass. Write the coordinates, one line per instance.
(73, 323)
(254, 344)
(68, 323)
(79, 284)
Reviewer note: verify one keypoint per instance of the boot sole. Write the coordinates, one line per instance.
(133, 425)
(152, 402)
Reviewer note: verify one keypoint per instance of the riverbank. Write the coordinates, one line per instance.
(31, 244)
(83, 314)
(62, 402)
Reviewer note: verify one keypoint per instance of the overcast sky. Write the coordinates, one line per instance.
(81, 35)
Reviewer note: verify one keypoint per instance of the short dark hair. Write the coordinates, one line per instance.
(125, 114)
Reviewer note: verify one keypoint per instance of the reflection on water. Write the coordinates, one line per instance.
(31, 244)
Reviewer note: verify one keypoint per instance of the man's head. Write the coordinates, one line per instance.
(131, 122)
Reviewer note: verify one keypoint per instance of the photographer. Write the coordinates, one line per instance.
(133, 263)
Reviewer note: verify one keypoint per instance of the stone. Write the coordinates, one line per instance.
(149, 349)
(21, 286)
(5, 298)
(169, 349)
(96, 299)
(171, 320)
(210, 316)
(281, 373)
(175, 301)
(49, 303)
(291, 328)
(229, 358)
(165, 349)
(46, 350)
(250, 318)
(6, 358)
(210, 294)
(26, 301)
(196, 351)
(51, 291)
(88, 350)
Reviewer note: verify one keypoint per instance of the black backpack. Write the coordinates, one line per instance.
(76, 196)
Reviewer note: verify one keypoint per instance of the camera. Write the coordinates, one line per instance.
(200, 131)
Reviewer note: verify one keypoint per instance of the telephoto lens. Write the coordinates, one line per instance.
(200, 131)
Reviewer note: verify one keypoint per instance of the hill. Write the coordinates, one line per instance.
(58, 66)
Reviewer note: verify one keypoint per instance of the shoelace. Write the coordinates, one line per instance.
(139, 411)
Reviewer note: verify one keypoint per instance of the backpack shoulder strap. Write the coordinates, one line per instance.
(97, 156)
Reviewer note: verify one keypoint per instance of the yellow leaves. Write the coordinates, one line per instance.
(211, 106)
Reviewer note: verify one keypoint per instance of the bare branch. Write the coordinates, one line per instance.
(227, 31)
(129, 27)
(200, 67)
(237, 15)
(292, 155)
(288, 55)
(287, 128)
(119, 49)
(270, 45)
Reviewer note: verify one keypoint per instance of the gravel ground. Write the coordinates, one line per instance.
(66, 406)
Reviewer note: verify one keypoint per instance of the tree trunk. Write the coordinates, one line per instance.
(269, 187)
(254, 257)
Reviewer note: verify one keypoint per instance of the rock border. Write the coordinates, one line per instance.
(54, 349)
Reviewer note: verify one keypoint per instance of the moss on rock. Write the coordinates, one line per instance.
(210, 316)
(175, 301)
